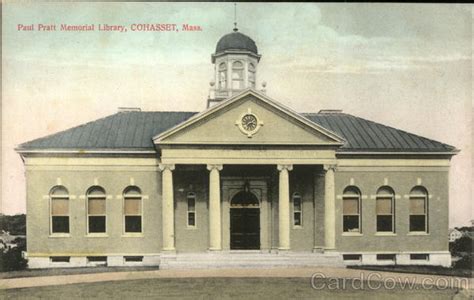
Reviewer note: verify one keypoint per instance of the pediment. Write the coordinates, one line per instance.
(249, 118)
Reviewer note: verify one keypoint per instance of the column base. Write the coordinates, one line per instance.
(283, 250)
(214, 249)
(318, 250)
(168, 251)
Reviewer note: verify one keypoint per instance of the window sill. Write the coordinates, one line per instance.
(97, 235)
(60, 235)
(385, 234)
(191, 227)
(297, 227)
(418, 233)
(352, 234)
(133, 235)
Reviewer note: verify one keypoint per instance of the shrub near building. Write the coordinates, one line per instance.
(13, 241)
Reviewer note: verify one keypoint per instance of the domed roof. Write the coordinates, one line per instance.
(236, 41)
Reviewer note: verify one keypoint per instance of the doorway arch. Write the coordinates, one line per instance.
(245, 221)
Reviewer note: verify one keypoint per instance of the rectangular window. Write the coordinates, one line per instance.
(418, 214)
(252, 79)
(352, 257)
(60, 259)
(133, 215)
(384, 210)
(386, 257)
(191, 209)
(297, 211)
(222, 79)
(59, 215)
(418, 223)
(351, 214)
(419, 256)
(97, 215)
(98, 259)
(133, 258)
(133, 224)
(237, 79)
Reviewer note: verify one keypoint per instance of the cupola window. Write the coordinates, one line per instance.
(237, 75)
(251, 75)
(222, 76)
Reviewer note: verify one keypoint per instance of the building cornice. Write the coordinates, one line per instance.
(377, 153)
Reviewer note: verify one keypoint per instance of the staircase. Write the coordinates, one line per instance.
(249, 259)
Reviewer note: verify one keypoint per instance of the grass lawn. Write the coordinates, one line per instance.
(421, 269)
(70, 271)
(219, 288)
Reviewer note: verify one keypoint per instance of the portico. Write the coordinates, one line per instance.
(304, 145)
(228, 187)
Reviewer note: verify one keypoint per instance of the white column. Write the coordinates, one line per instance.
(329, 208)
(215, 241)
(167, 206)
(318, 195)
(284, 207)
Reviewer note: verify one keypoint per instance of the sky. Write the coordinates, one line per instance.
(404, 65)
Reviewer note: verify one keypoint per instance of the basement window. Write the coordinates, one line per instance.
(97, 259)
(386, 257)
(352, 257)
(133, 258)
(60, 259)
(420, 256)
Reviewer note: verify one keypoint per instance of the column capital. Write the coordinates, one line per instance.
(330, 167)
(218, 167)
(163, 167)
(285, 167)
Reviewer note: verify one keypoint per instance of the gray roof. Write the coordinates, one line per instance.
(236, 41)
(365, 135)
(134, 130)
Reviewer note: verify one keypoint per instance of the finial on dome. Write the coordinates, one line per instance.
(235, 18)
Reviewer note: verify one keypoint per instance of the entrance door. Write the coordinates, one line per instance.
(245, 222)
(245, 228)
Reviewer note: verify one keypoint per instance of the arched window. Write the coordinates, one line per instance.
(132, 209)
(59, 197)
(385, 209)
(297, 210)
(245, 199)
(237, 75)
(419, 209)
(191, 199)
(251, 75)
(351, 210)
(222, 76)
(96, 210)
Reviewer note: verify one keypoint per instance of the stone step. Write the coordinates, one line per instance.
(308, 261)
(249, 260)
(241, 264)
(252, 258)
